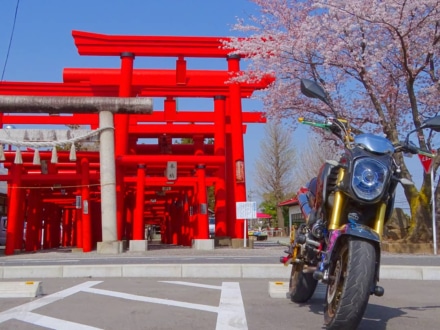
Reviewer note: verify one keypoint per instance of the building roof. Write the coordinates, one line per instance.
(263, 216)
(289, 202)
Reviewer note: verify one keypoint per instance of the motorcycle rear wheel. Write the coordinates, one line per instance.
(351, 276)
(301, 285)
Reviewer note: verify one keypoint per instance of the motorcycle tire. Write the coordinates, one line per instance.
(301, 285)
(352, 273)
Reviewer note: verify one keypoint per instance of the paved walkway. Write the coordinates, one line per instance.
(393, 266)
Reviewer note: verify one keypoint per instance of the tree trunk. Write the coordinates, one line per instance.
(280, 218)
(420, 230)
(421, 221)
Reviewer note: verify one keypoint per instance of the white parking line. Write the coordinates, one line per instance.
(197, 285)
(24, 312)
(53, 323)
(159, 301)
(230, 312)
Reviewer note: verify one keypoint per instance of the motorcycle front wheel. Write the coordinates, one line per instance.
(348, 291)
(301, 285)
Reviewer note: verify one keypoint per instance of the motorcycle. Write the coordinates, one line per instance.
(354, 198)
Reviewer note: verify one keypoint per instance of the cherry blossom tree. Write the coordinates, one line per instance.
(378, 60)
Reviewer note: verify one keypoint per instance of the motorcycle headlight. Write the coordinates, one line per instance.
(369, 177)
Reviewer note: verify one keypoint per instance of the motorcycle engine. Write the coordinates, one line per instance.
(318, 229)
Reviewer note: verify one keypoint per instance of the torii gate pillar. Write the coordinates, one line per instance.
(237, 147)
(110, 243)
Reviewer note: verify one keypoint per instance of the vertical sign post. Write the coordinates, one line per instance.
(427, 166)
(246, 210)
(434, 224)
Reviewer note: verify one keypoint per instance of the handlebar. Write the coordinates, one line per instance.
(411, 148)
(334, 125)
(426, 153)
(338, 126)
(304, 121)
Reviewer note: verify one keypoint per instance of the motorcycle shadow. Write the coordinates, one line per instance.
(376, 316)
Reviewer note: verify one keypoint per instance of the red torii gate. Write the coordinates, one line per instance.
(127, 47)
(126, 82)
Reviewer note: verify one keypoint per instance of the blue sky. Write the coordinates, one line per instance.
(42, 43)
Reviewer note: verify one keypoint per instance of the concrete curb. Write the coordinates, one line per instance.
(410, 272)
(269, 271)
(26, 289)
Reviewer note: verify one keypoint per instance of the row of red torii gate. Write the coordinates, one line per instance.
(56, 193)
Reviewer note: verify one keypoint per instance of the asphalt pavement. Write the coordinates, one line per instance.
(170, 287)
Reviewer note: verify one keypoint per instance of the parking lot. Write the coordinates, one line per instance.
(147, 303)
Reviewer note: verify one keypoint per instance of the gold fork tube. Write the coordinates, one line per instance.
(338, 203)
(380, 219)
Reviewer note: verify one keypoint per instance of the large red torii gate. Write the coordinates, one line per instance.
(224, 164)
(127, 47)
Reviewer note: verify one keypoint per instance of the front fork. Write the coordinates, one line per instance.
(337, 227)
(351, 228)
(354, 229)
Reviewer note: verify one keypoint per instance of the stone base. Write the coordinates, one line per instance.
(28, 289)
(222, 241)
(114, 247)
(239, 243)
(410, 248)
(138, 246)
(203, 244)
(279, 290)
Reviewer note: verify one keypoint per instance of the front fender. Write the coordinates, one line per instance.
(351, 229)
(355, 230)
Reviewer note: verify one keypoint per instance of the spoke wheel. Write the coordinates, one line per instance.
(335, 287)
(301, 285)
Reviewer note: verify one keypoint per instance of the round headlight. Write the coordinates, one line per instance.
(369, 177)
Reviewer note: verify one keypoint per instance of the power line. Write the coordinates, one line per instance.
(10, 39)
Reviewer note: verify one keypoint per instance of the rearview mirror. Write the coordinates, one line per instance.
(311, 89)
(432, 123)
